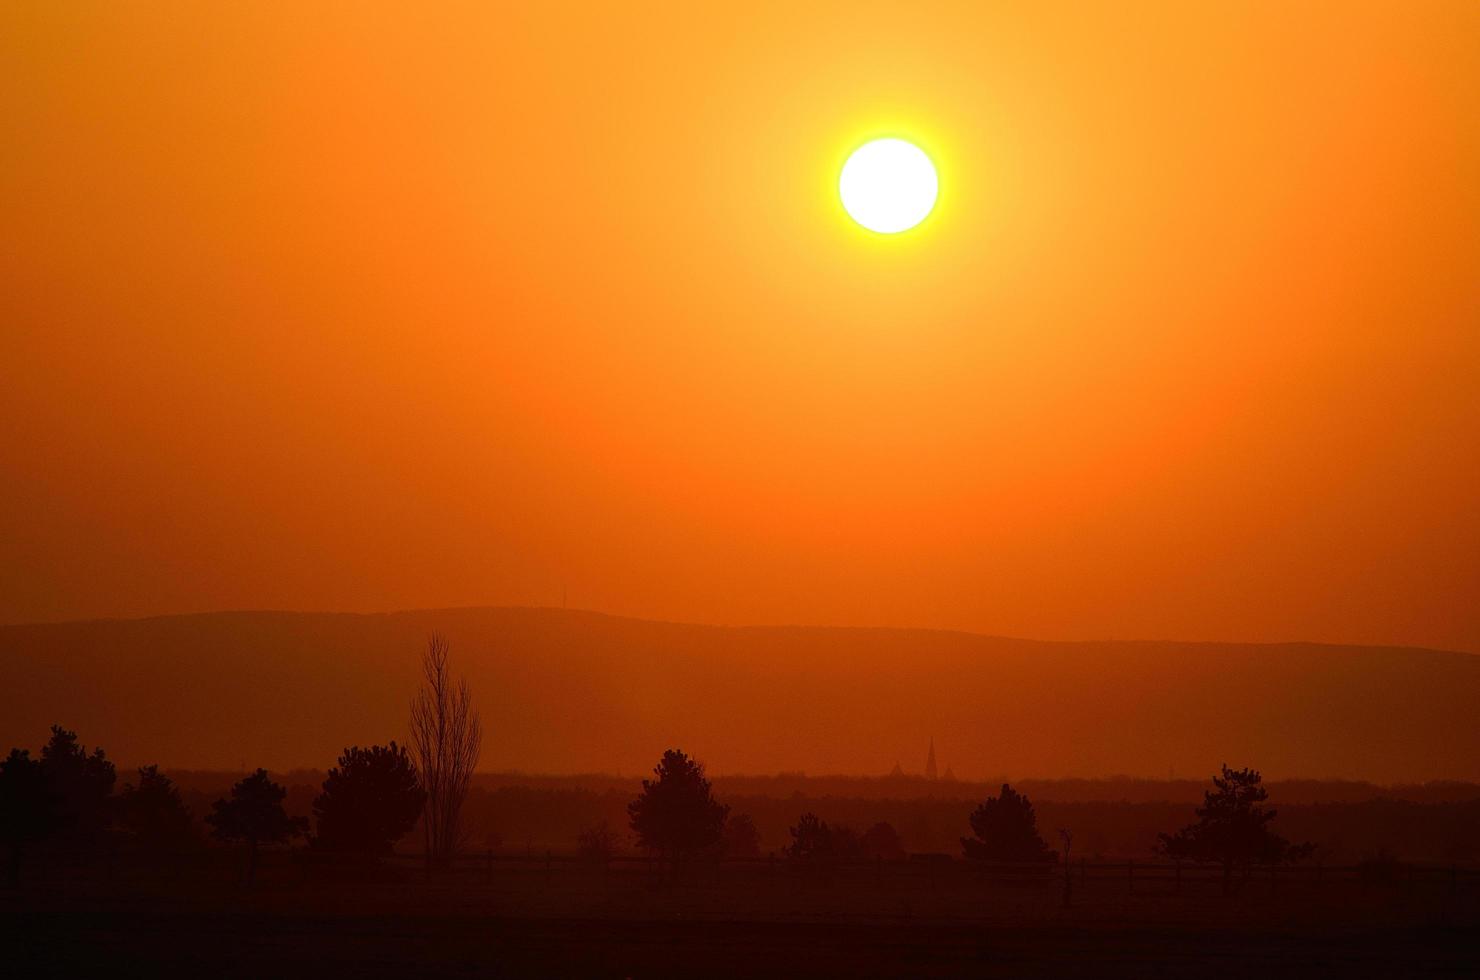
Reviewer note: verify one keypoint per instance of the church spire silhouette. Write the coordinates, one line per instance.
(930, 760)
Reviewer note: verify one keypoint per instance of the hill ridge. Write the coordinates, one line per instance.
(565, 690)
(601, 614)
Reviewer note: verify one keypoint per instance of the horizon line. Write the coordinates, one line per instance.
(912, 777)
(572, 611)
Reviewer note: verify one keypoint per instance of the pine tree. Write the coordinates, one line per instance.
(25, 810)
(1232, 828)
(254, 814)
(153, 811)
(676, 816)
(741, 837)
(370, 800)
(79, 784)
(1006, 830)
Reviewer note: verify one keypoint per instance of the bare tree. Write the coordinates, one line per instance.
(1067, 836)
(446, 736)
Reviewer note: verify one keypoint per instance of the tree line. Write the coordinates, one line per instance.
(677, 819)
(377, 795)
(64, 800)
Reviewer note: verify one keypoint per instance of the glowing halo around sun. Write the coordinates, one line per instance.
(888, 186)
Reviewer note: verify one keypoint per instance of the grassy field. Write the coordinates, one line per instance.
(399, 923)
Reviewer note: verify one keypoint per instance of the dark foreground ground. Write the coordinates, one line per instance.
(780, 928)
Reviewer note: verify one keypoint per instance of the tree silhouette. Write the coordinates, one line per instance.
(1067, 836)
(811, 839)
(154, 813)
(814, 842)
(1379, 867)
(447, 736)
(846, 844)
(1232, 828)
(741, 837)
(370, 800)
(881, 842)
(26, 813)
(1006, 830)
(676, 816)
(254, 814)
(79, 784)
(597, 845)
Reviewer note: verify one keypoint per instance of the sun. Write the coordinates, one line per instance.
(888, 186)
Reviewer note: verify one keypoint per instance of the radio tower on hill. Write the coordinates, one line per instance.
(930, 760)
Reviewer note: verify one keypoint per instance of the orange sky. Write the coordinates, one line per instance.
(343, 306)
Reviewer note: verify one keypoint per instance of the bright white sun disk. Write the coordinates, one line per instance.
(888, 186)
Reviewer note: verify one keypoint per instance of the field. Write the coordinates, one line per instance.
(528, 917)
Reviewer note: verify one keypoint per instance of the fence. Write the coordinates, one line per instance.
(934, 870)
(954, 879)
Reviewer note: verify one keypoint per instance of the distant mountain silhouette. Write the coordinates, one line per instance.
(570, 691)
